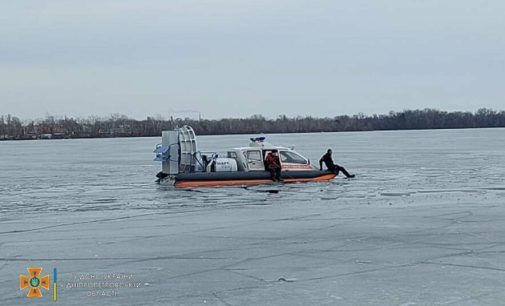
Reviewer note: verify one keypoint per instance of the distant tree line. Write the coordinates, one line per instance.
(12, 127)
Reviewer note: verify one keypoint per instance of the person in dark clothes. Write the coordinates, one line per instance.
(274, 165)
(205, 162)
(328, 161)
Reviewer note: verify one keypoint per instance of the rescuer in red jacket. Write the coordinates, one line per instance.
(273, 165)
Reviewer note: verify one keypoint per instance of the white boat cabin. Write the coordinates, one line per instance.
(252, 158)
(178, 153)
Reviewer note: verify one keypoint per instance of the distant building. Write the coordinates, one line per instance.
(58, 135)
(45, 136)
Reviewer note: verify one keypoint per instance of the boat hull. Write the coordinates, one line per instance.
(213, 179)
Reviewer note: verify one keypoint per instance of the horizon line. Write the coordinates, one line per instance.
(201, 117)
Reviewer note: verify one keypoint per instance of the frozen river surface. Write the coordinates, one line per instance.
(423, 223)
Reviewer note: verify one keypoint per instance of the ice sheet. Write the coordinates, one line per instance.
(422, 224)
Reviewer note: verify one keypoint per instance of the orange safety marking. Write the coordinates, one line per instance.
(183, 184)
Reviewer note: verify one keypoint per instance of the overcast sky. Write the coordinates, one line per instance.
(235, 58)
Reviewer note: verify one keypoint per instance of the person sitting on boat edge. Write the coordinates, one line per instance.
(328, 161)
(274, 165)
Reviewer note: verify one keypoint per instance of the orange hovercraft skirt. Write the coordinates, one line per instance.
(249, 178)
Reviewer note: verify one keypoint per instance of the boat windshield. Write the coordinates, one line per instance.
(292, 157)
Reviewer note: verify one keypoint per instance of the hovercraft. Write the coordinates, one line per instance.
(185, 166)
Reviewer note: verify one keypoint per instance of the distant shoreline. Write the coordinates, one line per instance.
(12, 128)
(259, 133)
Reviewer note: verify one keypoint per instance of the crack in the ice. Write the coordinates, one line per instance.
(215, 294)
(245, 275)
(462, 266)
(470, 298)
(134, 259)
(102, 220)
